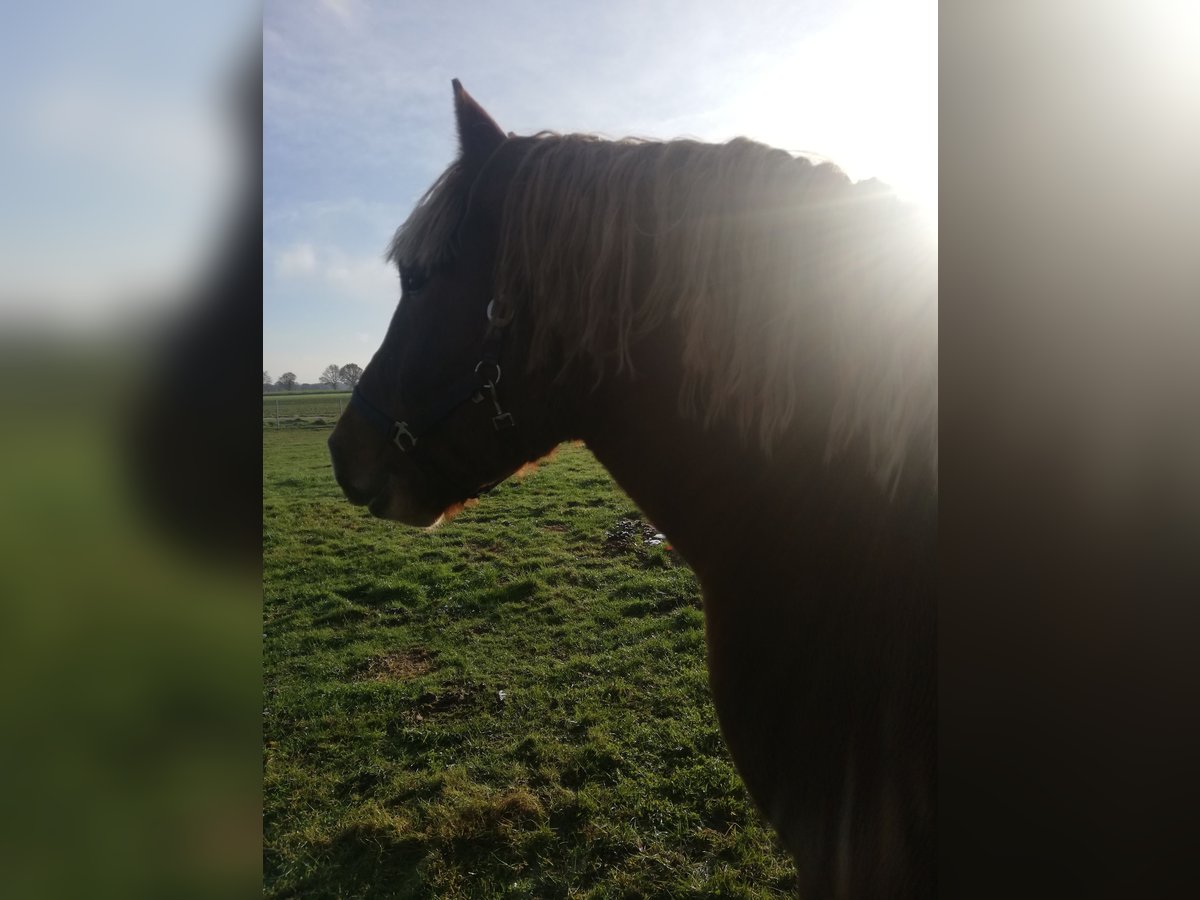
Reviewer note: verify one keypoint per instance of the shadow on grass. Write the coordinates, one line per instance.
(374, 594)
(365, 861)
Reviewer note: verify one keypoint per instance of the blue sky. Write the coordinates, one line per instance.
(118, 159)
(357, 117)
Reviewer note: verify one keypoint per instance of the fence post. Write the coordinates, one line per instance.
(339, 407)
(276, 412)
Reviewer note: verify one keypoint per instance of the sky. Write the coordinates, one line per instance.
(358, 117)
(118, 153)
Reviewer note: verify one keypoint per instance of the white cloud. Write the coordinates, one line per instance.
(299, 259)
(333, 271)
(361, 278)
(340, 8)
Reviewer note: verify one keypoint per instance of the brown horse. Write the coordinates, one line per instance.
(748, 342)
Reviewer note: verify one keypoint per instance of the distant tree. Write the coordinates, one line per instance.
(287, 381)
(331, 376)
(349, 375)
(266, 378)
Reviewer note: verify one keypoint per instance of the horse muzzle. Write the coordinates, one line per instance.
(370, 474)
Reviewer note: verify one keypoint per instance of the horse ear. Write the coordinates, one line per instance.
(478, 134)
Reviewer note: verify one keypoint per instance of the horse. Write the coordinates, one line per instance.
(747, 341)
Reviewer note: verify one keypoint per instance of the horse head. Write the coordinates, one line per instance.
(443, 412)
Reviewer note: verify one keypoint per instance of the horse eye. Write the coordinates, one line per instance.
(412, 280)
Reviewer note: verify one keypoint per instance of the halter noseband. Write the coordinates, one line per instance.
(475, 386)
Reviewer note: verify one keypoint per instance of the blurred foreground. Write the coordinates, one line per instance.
(131, 662)
(130, 596)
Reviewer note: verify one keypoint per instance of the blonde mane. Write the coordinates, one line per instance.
(774, 268)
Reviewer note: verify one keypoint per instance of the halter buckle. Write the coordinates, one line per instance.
(401, 432)
(502, 421)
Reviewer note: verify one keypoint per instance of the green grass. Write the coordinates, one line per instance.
(393, 768)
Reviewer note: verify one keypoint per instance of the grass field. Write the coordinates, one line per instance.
(300, 408)
(514, 704)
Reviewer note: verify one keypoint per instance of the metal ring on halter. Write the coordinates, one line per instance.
(493, 320)
(484, 362)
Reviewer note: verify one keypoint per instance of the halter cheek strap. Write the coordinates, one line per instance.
(474, 386)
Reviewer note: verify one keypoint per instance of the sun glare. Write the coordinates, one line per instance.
(1171, 34)
(862, 93)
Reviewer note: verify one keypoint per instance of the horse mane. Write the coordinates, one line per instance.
(778, 272)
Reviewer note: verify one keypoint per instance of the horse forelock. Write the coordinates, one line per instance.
(426, 240)
(763, 262)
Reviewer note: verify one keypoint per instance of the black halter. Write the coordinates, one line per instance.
(475, 387)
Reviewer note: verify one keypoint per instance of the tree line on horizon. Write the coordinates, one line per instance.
(332, 377)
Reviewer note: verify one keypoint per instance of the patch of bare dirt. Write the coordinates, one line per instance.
(401, 665)
(454, 696)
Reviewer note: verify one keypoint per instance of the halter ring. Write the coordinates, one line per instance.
(493, 319)
(484, 362)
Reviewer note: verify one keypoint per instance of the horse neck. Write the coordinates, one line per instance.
(729, 507)
(703, 487)
(685, 479)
